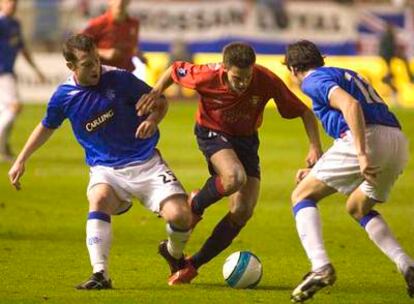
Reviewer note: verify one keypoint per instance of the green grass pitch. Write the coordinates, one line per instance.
(42, 227)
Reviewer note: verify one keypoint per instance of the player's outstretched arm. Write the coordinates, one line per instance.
(38, 137)
(149, 126)
(148, 101)
(354, 117)
(312, 130)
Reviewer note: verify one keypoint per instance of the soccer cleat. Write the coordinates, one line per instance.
(313, 282)
(409, 279)
(195, 217)
(184, 275)
(175, 264)
(96, 281)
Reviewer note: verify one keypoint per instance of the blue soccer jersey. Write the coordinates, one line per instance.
(103, 118)
(318, 85)
(11, 42)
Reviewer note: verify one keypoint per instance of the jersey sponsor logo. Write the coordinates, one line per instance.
(99, 121)
(181, 72)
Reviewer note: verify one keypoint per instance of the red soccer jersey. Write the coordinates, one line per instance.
(108, 33)
(223, 110)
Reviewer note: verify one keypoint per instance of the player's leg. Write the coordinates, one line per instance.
(11, 107)
(176, 212)
(242, 204)
(308, 224)
(227, 172)
(360, 207)
(103, 202)
(159, 190)
(362, 200)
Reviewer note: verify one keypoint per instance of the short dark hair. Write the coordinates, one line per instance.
(302, 56)
(238, 54)
(80, 42)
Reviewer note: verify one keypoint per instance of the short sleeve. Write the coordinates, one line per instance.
(92, 29)
(54, 113)
(190, 75)
(318, 86)
(287, 103)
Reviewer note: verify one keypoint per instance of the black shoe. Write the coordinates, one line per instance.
(96, 281)
(313, 282)
(409, 279)
(175, 264)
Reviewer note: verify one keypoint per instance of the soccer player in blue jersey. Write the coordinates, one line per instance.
(368, 155)
(120, 149)
(11, 43)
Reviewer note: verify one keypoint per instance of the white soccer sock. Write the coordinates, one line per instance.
(177, 239)
(379, 232)
(308, 225)
(6, 119)
(98, 241)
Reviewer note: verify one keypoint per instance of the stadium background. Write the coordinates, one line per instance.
(347, 31)
(42, 252)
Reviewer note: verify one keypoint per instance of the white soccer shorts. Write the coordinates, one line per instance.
(150, 182)
(339, 166)
(8, 90)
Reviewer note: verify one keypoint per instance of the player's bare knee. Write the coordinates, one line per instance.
(296, 196)
(233, 181)
(178, 213)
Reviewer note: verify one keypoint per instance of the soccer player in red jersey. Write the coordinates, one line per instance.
(116, 35)
(233, 96)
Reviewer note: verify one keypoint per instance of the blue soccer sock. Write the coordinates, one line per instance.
(308, 225)
(379, 232)
(98, 240)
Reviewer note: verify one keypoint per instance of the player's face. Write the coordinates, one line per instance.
(87, 69)
(8, 7)
(239, 79)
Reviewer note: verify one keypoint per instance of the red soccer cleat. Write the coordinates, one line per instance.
(195, 217)
(184, 275)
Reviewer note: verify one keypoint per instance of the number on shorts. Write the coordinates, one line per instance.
(168, 177)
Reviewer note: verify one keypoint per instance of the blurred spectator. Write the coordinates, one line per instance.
(278, 11)
(11, 43)
(116, 36)
(47, 30)
(389, 49)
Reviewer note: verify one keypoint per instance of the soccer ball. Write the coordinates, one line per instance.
(242, 269)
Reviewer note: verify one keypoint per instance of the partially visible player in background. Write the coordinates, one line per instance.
(116, 35)
(233, 96)
(120, 149)
(11, 43)
(365, 160)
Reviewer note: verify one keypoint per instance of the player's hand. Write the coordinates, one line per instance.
(146, 129)
(147, 103)
(301, 174)
(313, 155)
(15, 173)
(368, 171)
